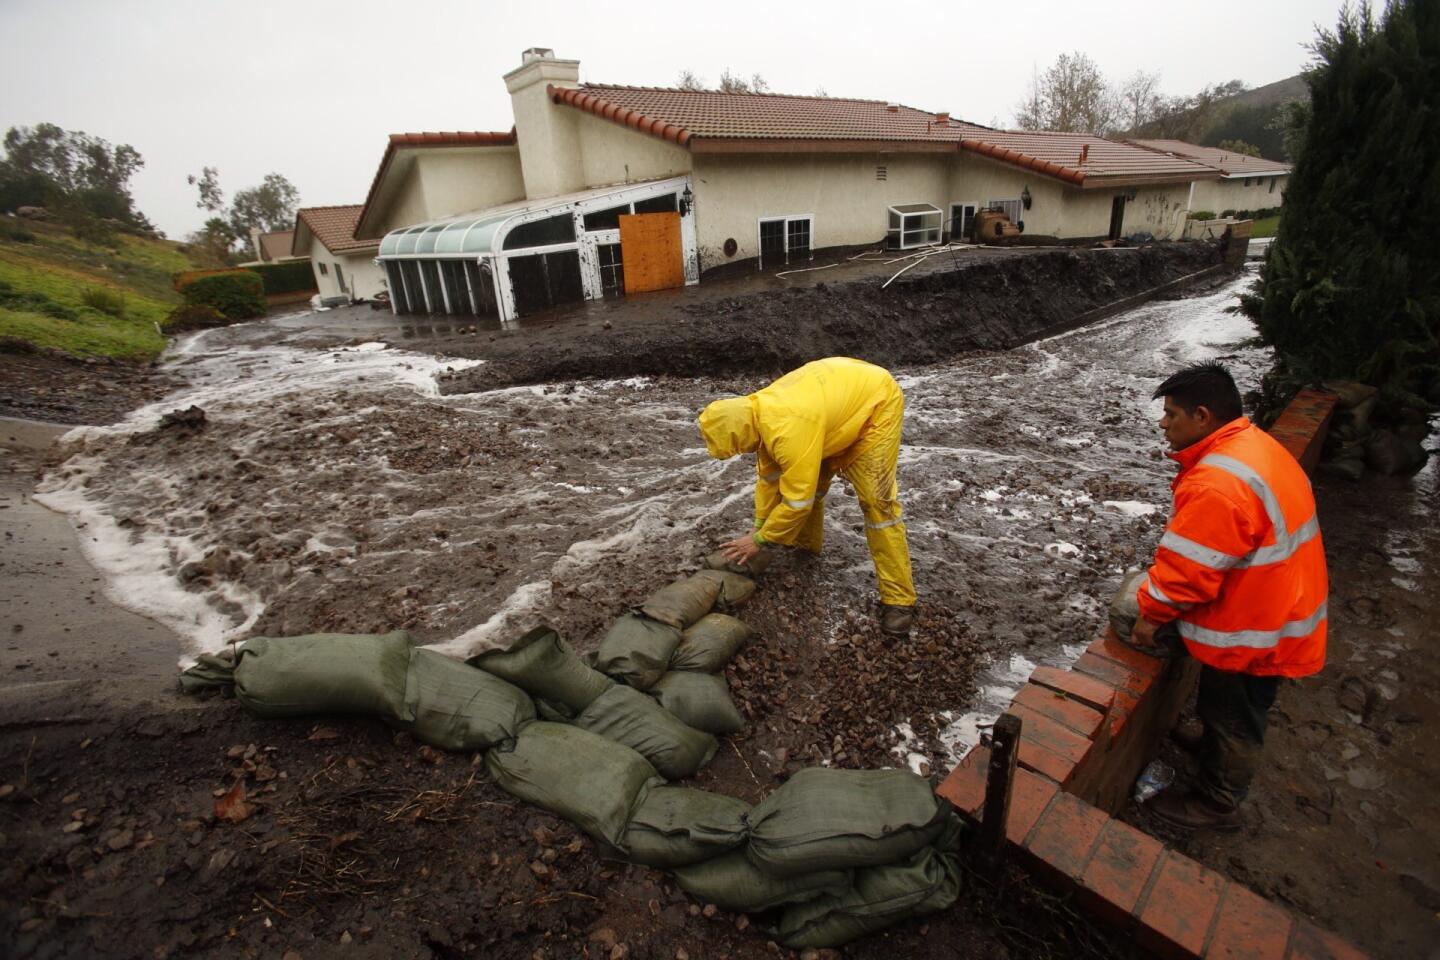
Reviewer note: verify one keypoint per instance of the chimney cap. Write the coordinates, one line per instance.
(892, 107)
(943, 117)
(532, 54)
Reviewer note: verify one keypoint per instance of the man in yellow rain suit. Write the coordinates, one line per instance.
(830, 416)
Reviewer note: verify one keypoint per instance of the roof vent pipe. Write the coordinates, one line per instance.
(892, 107)
(1084, 152)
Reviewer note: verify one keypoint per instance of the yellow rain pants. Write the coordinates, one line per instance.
(833, 416)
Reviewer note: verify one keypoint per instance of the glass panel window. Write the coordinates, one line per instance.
(797, 240)
(665, 204)
(785, 240)
(1011, 208)
(772, 242)
(612, 270)
(606, 219)
(542, 233)
(324, 270)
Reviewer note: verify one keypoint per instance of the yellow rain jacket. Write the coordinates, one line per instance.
(837, 415)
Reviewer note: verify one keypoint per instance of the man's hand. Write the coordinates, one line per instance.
(741, 549)
(1144, 633)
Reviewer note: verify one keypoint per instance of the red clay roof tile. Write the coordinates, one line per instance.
(335, 227)
(1226, 161)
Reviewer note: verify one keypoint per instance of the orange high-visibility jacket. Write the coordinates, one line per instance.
(1241, 566)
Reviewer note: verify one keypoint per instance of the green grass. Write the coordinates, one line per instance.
(1265, 227)
(55, 283)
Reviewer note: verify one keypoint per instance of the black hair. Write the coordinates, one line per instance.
(1206, 385)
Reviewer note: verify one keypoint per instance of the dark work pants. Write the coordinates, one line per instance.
(1233, 707)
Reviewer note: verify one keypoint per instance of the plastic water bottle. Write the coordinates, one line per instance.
(1156, 777)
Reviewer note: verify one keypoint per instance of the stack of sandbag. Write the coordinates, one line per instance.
(441, 701)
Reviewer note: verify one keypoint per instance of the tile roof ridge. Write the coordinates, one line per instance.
(332, 206)
(747, 93)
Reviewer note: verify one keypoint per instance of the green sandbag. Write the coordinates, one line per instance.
(680, 826)
(732, 882)
(210, 671)
(557, 712)
(753, 567)
(636, 650)
(700, 700)
(459, 707)
(734, 589)
(544, 665)
(683, 602)
(325, 673)
(592, 782)
(710, 642)
(628, 716)
(824, 819)
(882, 896)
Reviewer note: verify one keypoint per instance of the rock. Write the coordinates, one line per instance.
(742, 923)
(682, 954)
(606, 937)
(68, 800)
(710, 910)
(121, 840)
(74, 826)
(432, 756)
(541, 871)
(619, 952)
(1390, 454)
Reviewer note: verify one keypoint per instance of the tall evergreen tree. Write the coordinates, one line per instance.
(1351, 287)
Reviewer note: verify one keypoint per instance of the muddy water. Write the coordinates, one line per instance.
(338, 490)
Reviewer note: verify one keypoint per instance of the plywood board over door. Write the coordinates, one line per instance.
(651, 251)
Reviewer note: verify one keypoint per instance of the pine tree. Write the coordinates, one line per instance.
(1351, 287)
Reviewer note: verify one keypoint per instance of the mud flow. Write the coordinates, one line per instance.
(338, 490)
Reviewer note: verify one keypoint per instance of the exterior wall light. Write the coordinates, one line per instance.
(686, 199)
(1025, 198)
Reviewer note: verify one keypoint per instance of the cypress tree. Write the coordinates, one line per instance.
(1351, 287)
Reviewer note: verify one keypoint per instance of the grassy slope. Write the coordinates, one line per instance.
(1265, 226)
(59, 268)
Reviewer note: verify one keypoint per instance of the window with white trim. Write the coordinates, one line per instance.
(786, 240)
(1011, 208)
(324, 270)
(913, 225)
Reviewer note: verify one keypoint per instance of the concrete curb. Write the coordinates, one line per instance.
(1086, 733)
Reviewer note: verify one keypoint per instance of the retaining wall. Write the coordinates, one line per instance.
(1086, 732)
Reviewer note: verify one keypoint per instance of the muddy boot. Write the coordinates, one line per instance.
(1188, 735)
(896, 621)
(1194, 811)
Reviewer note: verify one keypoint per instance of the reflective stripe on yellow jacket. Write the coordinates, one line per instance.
(1241, 566)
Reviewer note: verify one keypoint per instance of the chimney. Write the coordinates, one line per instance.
(547, 132)
(1084, 153)
(943, 118)
(892, 107)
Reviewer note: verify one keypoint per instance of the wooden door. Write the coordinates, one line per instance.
(651, 252)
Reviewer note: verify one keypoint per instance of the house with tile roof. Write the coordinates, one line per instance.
(343, 266)
(1245, 182)
(602, 190)
(273, 247)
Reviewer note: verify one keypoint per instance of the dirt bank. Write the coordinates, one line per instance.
(40, 384)
(933, 312)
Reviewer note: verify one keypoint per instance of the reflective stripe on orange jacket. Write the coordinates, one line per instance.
(1241, 566)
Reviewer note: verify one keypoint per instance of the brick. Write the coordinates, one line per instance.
(1030, 794)
(1084, 720)
(1051, 734)
(1116, 875)
(1078, 687)
(1311, 943)
(1125, 681)
(1249, 928)
(1061, 842)
(1110, 648)
(1033, 757)
(964, 787)
(1176, 915)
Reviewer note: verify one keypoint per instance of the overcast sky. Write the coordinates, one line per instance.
(312, 89)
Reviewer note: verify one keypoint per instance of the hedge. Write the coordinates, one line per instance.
(1253, 214)
(239, 295)
(292, 276)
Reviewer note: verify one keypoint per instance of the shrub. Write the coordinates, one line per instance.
(193, 316)
(238, 294)
(1202, 214)
(16, 233)
(33, 302)
(106, 301)
(292, 276)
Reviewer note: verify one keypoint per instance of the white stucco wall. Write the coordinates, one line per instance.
(458, 181)
(363, 276)
(1217, 196)
(611, 153)
(840, 191)
(550, 153)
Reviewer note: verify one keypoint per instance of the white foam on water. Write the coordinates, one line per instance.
(1131, 508)
(516, 615)
(1062, 549)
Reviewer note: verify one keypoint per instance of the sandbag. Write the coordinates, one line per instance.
(557, 712)
(732, 882)
(544, 665)
(627, 716)
(679, 826)
(459, 707)
(734, 589)
(683, 602)
(709, 643)
(325, 673)
(1124, 608)
(592, 782)
(636, 650)
(210, 671)
(753, 567)
(882, 896)
(700, 700)
(824, 819)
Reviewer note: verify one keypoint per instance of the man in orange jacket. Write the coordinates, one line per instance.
(1240, 572)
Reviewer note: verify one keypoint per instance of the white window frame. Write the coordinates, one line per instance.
(1000, 204)
(961, 203)
(785, 235)
(936, 211)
